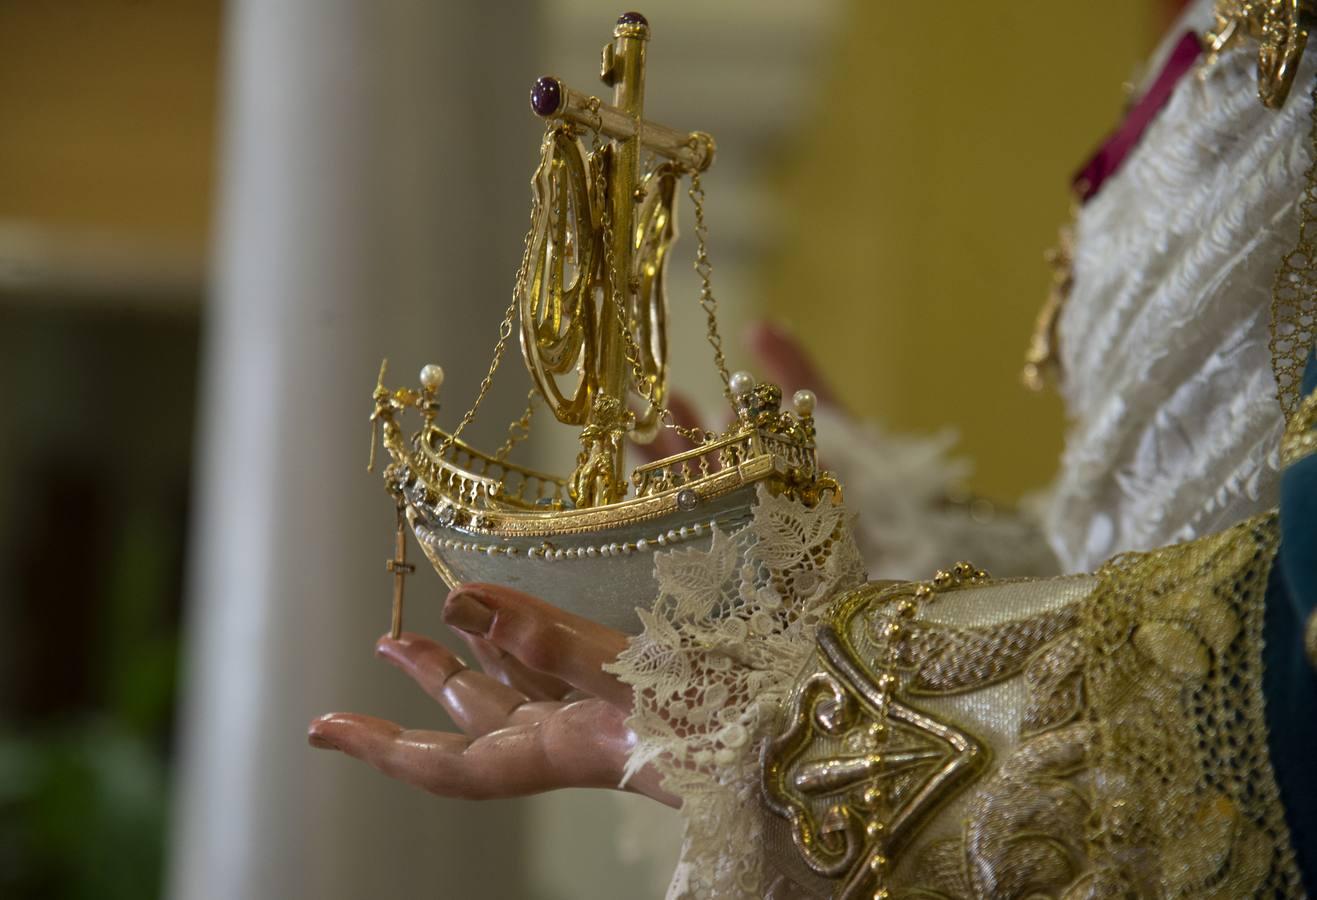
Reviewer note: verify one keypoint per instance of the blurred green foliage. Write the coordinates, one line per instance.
(82, 813)
(83, 802)
(93, 513)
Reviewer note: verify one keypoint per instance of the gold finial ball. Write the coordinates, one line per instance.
(432, 377)
(804, 401)
(741, 383)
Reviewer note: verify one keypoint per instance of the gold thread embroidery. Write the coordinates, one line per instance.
(1185, 803)
(856, 771)
(1300, 438)
(1140, 765)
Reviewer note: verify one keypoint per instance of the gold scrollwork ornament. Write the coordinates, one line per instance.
(655, 231)
(855, 770)
(556, 302)
(1281, 29)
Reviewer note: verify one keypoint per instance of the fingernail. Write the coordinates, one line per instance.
(394, 652)
(316, 738)
(465, 612)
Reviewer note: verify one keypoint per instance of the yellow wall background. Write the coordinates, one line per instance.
(924, 190)
(109, 115)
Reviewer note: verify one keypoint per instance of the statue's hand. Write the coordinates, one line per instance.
(543, 715)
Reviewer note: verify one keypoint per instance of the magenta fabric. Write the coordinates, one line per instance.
(1111, 155)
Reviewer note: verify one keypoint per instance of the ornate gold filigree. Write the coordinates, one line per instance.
(557, 301)
(1281, 29)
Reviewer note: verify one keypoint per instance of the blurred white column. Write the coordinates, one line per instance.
(373, 200)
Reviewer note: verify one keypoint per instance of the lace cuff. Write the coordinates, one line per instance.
(731, 629)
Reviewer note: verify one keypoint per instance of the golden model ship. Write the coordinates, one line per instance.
(592, 319)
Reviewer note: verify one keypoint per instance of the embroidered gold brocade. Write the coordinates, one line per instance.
(1185, 803)
(1138, 760)
(1300, 438)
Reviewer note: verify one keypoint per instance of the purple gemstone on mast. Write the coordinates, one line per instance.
(632, 18)
(546, 96)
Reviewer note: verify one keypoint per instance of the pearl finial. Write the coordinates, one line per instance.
(741, 383)
(432, 377)
(804, 402)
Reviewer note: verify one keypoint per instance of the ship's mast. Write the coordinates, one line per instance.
(623, 67)
(609, 367)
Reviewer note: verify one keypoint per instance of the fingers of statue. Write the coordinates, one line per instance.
(510, 671)
(477, 703)
(787, 363)
(581, 744)
(544, 638)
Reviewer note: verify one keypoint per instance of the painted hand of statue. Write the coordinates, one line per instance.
(542, 715)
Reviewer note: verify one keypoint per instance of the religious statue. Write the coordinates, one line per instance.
(704, 632)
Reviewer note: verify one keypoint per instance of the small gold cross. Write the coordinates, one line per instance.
(400, 569)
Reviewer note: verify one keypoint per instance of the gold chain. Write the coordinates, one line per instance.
(518, 429)
(504, 332)
(708, 302)
(704, 269)
(644, 384)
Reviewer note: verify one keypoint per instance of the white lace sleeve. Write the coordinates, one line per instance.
(731, 629)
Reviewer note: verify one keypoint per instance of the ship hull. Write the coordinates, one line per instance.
(603, 573)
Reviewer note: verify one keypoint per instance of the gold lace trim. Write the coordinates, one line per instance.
(1280, 28)
(1294, 295)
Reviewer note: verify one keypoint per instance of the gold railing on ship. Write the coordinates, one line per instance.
(468, 476)
(465, 474)
(726, 453)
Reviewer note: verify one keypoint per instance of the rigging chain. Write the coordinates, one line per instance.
(708, 302)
